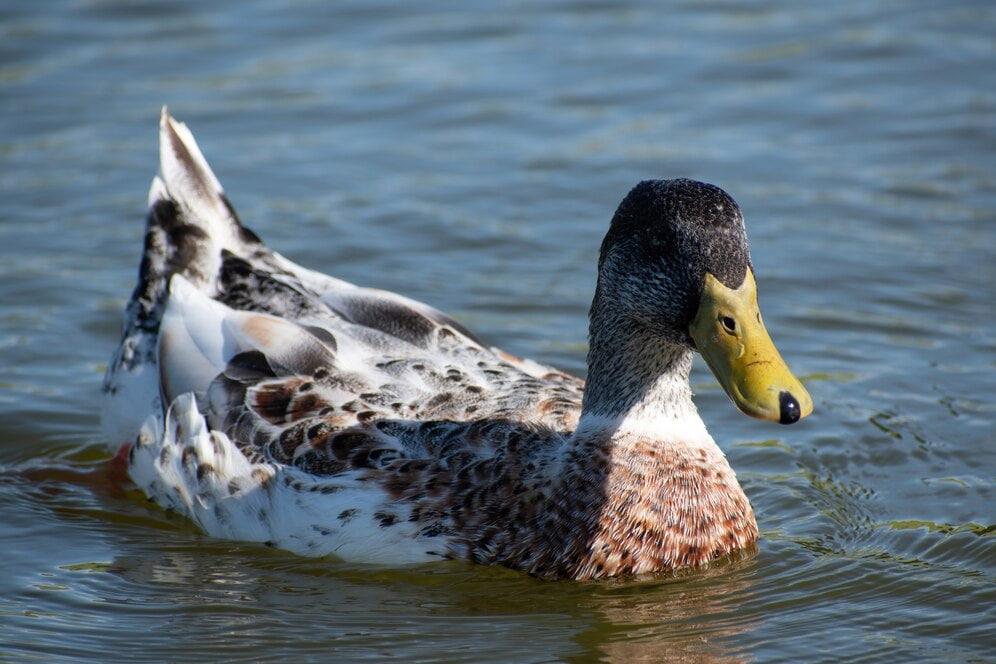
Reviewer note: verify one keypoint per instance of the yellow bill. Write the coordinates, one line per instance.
(729, 334)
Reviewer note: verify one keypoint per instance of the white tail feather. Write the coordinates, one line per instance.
(192, 184)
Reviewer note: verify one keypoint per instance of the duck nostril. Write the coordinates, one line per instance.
(788, 407)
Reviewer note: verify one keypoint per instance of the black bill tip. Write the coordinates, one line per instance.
(788, 408)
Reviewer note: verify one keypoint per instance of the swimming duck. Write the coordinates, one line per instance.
(271, 403)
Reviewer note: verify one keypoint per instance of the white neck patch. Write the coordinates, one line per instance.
(682, 428)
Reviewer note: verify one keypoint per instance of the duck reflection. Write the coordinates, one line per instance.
(499, 615)
(695, 618)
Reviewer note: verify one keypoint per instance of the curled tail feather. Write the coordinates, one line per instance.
(190, 224)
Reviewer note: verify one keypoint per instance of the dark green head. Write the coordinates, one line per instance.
(665, 237)
(675, 263)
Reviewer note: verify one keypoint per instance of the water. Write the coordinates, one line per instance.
(471, 157)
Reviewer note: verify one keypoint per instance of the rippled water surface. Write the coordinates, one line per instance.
(471, 157)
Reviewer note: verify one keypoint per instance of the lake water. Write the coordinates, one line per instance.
(471, 157)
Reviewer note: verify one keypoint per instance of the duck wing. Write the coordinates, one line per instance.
(388, 354)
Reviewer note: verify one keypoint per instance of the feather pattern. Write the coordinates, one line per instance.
(272, 403)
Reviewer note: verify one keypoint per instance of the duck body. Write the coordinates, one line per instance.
(271, 403)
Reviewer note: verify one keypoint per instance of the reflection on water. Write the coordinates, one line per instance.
(697, 618)
(471, 157)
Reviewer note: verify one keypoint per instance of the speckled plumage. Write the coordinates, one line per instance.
(272, 403)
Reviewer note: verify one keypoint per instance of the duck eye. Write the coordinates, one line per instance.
(728, 323)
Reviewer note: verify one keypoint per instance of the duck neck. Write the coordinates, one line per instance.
(642, 483)
(638, 383)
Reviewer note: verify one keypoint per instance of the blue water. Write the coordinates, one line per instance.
(470, 156)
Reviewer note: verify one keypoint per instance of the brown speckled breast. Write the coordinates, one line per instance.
(667, 506)
(609, 506)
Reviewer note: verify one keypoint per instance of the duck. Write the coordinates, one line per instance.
(267, 402)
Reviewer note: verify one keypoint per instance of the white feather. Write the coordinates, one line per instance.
(181, 464)
(190, 180)
(134, 394)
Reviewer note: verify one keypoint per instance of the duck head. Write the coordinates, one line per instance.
(675, 261)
